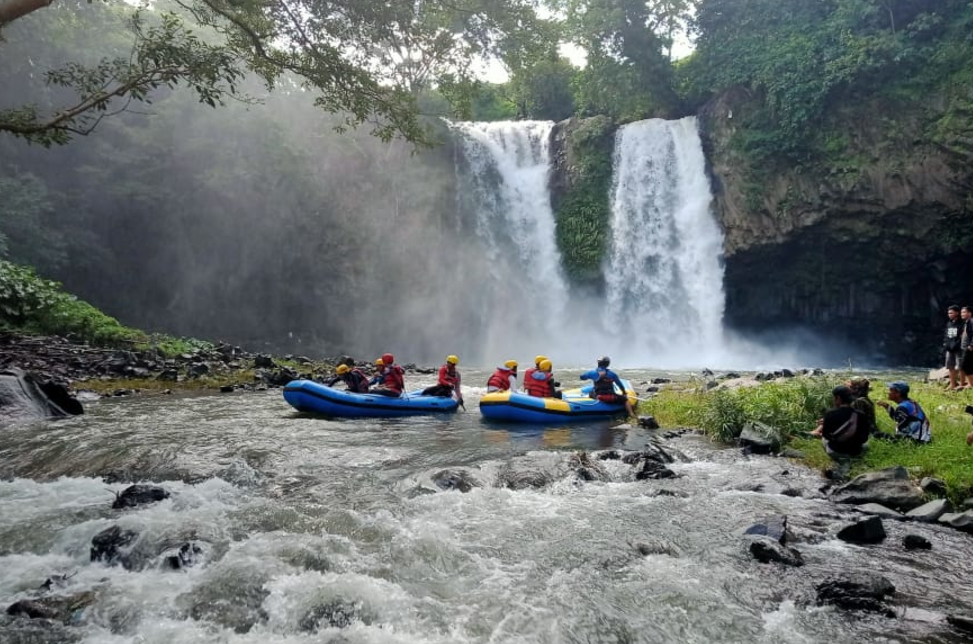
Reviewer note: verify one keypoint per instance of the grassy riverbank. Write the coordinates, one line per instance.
(794, 405)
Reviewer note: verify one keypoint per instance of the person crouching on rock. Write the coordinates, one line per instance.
(504, 378)
(390, 377)
(449, 381)
(911, 421)
(605, 381)
(354, 379)
(843, 430)
(540, 383)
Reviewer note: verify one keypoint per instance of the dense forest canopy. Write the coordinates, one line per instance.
(257, 215)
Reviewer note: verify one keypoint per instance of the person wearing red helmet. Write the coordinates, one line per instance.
(390, 379)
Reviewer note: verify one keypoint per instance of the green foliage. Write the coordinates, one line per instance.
(366, 60)
(36, 305)
(583, 215)
(544, 90)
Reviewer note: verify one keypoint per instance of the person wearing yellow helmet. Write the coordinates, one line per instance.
(504, 378)
(353, 377)
(448, 382)
(540, 382)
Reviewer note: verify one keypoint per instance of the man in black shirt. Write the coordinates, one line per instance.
(843, 430)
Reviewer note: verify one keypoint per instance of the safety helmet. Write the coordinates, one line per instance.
(342, 369)
(379, 362)
(510, 364)
(545, 365)
(604, 361)
(539, 359)
(451, 359)
(388, 358)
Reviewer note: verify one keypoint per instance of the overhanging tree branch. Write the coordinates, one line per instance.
(10, 10)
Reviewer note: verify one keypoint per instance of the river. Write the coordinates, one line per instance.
(294, 513)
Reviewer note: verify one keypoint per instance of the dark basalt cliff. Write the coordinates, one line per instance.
(868, 242)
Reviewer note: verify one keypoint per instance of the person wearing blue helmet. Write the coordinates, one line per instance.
(605, 380)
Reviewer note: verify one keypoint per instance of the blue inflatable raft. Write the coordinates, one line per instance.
(575, 405)
(307, 395)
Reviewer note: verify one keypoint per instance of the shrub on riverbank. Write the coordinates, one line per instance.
(794, 405)
(33, 305)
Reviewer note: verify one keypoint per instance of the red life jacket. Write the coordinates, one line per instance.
(500, 379)
(538, 388)
(446, 378)
(357, 381)
(392, 378)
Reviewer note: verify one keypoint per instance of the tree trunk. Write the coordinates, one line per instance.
(10, 10)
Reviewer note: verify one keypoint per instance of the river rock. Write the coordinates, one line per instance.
(454, 480)
(774, 528)
(916, 542)
(930, 512)
(960, 520)
(652, 469)
(27, 396)
(857, 591)
(767, 550)
(879, 510)
(139, 494)
(961, 622)
(586, 469)
(648, 422)
(868, 530)
(935, 487)
(110, 545)
(760, 438)
(66, 608)
(188, 555)
(890, 487)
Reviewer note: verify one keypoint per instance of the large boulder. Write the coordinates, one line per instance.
(860, 591)
(930, 512)
(766, 550)
(890, 487)
(959, 520)
(26, 396)
(869, 530)
(759, 438)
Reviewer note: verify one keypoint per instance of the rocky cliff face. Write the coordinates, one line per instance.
(869, 241)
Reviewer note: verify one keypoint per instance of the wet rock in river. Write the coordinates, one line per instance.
(188, 555)
(652, 469)
(68, 609)
(27, 395)
(962, 521)
(961, 622)
(586, 469)
(140, 494)
(890, 487)
(648, 422)
(111, 544)
(759, 438)
(879, 510)
(766, 550)
(860, 591)
(916, 542)
(454, 480)
(930, 512)
(869, 530)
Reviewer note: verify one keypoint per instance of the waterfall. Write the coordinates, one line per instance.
(664, 275)
(505, 184)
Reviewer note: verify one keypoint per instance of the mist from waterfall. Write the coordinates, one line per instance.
(664, 275)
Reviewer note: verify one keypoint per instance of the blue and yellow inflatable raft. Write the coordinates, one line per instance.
(575, 405)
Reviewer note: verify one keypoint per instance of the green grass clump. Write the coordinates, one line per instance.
(793, 406)
(34, 305)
